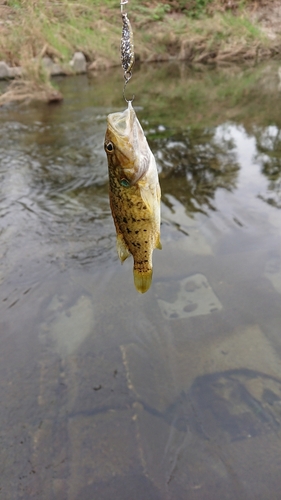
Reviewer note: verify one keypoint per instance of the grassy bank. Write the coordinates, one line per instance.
(197, 30)
(177, 28)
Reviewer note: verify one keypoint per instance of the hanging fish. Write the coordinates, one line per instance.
(134, 193)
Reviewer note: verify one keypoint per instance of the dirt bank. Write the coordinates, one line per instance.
(201, 31)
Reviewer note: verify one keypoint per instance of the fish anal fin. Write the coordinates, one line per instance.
(142, 280)
(158, 243)
(122, 249)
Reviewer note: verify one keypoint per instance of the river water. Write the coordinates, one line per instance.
(171, 395)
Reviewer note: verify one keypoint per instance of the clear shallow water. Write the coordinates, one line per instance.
(174, 394)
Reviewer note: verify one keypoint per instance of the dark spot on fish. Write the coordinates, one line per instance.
(146, 241)
(145, 261)
(128, 230)
(136, 232)
(145, 229)
(144, 207)
(125, 220)
(134, 220)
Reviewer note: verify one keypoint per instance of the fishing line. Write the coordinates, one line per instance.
(127, 48)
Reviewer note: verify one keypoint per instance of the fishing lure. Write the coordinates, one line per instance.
(127, 47)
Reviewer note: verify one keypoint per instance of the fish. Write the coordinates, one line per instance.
(134, 193)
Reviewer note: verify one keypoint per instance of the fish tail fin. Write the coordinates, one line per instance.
(142, 280)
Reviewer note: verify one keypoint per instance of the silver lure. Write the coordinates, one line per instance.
(127, 48)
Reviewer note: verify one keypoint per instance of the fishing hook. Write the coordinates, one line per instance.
(127, 76)
(122, 3)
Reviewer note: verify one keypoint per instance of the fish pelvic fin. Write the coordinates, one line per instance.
(122, 249)
(142, 280)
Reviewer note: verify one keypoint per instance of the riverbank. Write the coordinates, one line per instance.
(199, 31)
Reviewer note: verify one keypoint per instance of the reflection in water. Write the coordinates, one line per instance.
(201, 162)
(268, 156)
(169, 395)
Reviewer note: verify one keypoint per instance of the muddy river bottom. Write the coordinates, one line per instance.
(170, 395)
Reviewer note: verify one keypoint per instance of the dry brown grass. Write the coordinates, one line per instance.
(26, 91)
(34, 85)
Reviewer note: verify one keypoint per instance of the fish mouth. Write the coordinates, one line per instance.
(122, 123)
(126, 133)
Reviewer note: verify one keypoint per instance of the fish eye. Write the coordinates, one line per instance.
(124, 182)
(109, 147)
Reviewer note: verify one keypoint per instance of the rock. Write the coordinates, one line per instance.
(15, 71)
(4, 70)
(159, 58)
(47, 63)
(57, 70)
(78, 63)
(191, 296)
(54, 69)
(99, 64)
(54, 96)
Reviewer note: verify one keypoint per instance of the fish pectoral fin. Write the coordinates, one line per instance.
(122, 249)
(148, 198)
(142, 280)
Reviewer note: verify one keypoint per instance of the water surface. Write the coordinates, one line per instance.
(174, 394)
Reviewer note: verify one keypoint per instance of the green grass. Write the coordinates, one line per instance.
(94, 27)
(241, 26)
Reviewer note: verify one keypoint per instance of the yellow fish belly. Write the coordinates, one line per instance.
(137, 231)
